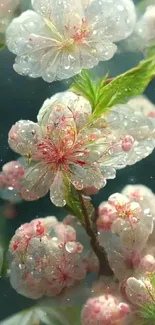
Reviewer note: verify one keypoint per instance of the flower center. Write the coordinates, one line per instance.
(60, 154)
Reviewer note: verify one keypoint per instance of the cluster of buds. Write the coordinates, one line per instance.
(10, 181)
(106, 306)
(45, 258)
(126, 226)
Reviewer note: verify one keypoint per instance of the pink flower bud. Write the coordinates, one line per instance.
(127, 143)
(147, 263)
(104, 310)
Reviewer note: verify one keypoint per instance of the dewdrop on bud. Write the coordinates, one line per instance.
(127, 143)
(72, 247)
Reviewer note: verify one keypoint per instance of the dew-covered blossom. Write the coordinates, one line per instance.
(61, 37)
(128, 226)
(64, 148)
(46, 259)
(105, 307)
(10, 181)
(7, 8)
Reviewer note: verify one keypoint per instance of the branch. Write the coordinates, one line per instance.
(104, 268)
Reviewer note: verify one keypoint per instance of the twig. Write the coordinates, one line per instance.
(104, 268)
(107, 81)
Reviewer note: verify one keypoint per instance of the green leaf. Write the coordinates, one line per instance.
(72, 315)
(72, 201)
(143, 4)
(37, 315)
(74, 205)
(84, 86)
(150, 51)
(147, 314)
(128, 84)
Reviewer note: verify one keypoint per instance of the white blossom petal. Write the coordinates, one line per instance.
(114, 18)
(57, 190)
(36, 181)
(78, 108)
(23, 137)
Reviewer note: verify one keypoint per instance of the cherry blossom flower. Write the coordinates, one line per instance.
(130, 226)
(44, 262)
(106, 308)
(64, 36)
(63, 148)
(10, 181)
(7, 8)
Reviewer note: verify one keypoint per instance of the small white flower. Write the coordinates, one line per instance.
(64, 36)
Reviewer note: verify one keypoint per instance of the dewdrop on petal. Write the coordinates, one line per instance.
(43, 265)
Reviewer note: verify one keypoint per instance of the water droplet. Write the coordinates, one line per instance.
(71, 247)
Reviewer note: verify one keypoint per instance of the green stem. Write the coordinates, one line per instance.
(104, 267)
